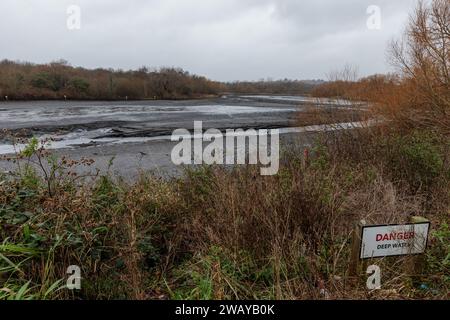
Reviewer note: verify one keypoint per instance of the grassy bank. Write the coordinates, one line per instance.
(228, 234)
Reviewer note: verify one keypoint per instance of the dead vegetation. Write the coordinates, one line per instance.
(217, 233)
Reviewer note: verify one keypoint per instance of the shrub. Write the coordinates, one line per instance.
(417, 158)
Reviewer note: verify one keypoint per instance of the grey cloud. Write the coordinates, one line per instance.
(222, 39)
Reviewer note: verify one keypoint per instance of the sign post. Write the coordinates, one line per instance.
(418, 262)
(394, 240)
(356, 248)
(379, 241)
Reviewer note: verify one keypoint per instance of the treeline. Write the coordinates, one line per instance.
(365, 89)
(295, 87)
(418, 96)
(59, 80)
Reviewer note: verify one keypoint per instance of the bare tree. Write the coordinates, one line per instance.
(348, 74)
(423, 58)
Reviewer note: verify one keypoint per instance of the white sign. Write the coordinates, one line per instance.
(394, 240)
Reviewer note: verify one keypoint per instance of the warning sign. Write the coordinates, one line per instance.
(394, 240)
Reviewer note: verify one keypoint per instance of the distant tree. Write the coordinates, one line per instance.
(79, 85)
(42, 80)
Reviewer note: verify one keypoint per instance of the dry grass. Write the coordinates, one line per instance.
(217, 233)
(233, 234)
(314, 115)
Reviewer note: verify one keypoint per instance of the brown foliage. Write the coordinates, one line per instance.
(285, 86)
(419, 95)
(423, 58)
(58, 80)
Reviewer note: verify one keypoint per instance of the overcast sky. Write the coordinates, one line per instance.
(221, 39)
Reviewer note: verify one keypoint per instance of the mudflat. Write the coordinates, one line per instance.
(127, 137)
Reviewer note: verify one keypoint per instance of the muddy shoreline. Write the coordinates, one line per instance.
(105, 130)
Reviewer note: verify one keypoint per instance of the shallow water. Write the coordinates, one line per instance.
(134, 112)
(72, 125)
(76, 140)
